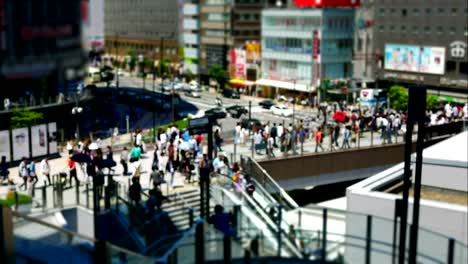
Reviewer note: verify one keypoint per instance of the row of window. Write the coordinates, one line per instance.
(441, 11)
(415, 29)
(451, 67)
(247, 17)
(127, 45)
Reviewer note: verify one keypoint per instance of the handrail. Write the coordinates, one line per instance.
(261, 213)
(174, 247)
(282, 192)
(62, 230)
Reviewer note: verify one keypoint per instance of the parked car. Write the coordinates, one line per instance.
(192, 94)
(266, 104)
(237, 111)
(228, 93)
(217, 112)
(194, 86)
(281, 110)
(250, 123)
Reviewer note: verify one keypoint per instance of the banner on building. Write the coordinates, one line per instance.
(238, 64)
(39, 140)
(252, 51)
(5, 144)
(52, 138)
(410, 58)
(20, 143)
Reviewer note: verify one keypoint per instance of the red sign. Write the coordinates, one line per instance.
(316, 46)
(327, 3)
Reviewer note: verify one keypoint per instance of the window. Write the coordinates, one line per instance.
(440, 30)
(427, 30)
(381, 28)
(416, 11)
(454, 11)
(404, 12)
(441, 11)
(428, 11)
(359, 44)
(381, 12)
(464, 68)
(403, 29)
(392, 11)
(452, 30)
(415, 30)
(451, 66)
(392, 28)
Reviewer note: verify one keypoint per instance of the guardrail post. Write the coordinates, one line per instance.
(107, 194)
(235, 221)
(200, 244)
(299, 218)
(235, 151)
(190, 212)
(279, 233)
(54, 187)
(16, 201)
(368, 239)
(101, 252)
(87, 195)
(324, 235)
(372, 137)
(7, 238)
(117, 197)
(77, 192)
(451, 250)
(59, 193)
(227, 256)
(253, 148)
(44, 198)
(247, 256)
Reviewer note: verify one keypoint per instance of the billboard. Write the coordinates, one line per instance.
(5, 144)
(39, 140)
(327, 3)
(52, 138)
(20, 143)
(252, 51)
(238, 64)
(410, 58)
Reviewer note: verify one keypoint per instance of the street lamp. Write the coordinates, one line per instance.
(141, 59)
(76, 111)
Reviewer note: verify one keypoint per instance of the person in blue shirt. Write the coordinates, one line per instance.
(221, 220)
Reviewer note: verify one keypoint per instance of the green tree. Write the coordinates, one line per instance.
(398, 96)
(25, 118)
(431, 102)
(217, 72)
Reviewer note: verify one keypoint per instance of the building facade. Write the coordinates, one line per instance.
(191, 36)
(301, 47)
(227, 24)
(40, 50)
(431, 33)
(93, 24)
(148, 27)
(364, 61)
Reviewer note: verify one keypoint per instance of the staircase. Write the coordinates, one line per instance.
(179, 205)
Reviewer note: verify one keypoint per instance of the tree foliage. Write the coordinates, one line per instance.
(25, 118)
(398, 96)
(217, 72)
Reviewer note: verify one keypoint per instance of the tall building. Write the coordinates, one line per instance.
(148, 27)
(40, 50)
(191, 36)
(364, 61)
(227, 24)
(423, 43)
(93, 24)
(301, 47)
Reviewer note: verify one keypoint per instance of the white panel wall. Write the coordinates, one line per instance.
(191, 53)
(190, 38)
(190, 9)
(190, 24)
(454, 178)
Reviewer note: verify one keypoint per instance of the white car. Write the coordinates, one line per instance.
(281, 110)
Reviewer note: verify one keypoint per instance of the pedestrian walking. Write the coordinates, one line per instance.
(274, 134)
(346, 138)
(318, 139)
(124, 161)
(4, 172)
(72, 172)
(23, 172)
(45, 170)
(270, 146)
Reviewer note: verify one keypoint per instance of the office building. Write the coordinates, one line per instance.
(93, 24)
(191, 36)
(301, 47)
(40, 50)
(148, 27)
(423, 43)
(364, 62)
(225, 25)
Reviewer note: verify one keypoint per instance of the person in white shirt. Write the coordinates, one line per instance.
(465, 111)
(270, 146)
(280, 130)
(45, 170)
(257, 140)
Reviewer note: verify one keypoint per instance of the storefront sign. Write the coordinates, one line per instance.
(458, 49)
(403, 76)
(447, 81)
(316, 45)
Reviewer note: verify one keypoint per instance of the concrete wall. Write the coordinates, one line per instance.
(282, 169)
(446, 177)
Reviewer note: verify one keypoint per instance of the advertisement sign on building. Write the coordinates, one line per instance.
(238, 63)
(5, 144)
(411, 58)
(252, 51)
(20, 143)
(52, 138)
(458, 49)
(39, 140)
(327, 3)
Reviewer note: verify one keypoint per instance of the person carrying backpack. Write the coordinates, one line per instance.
(318, 139)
